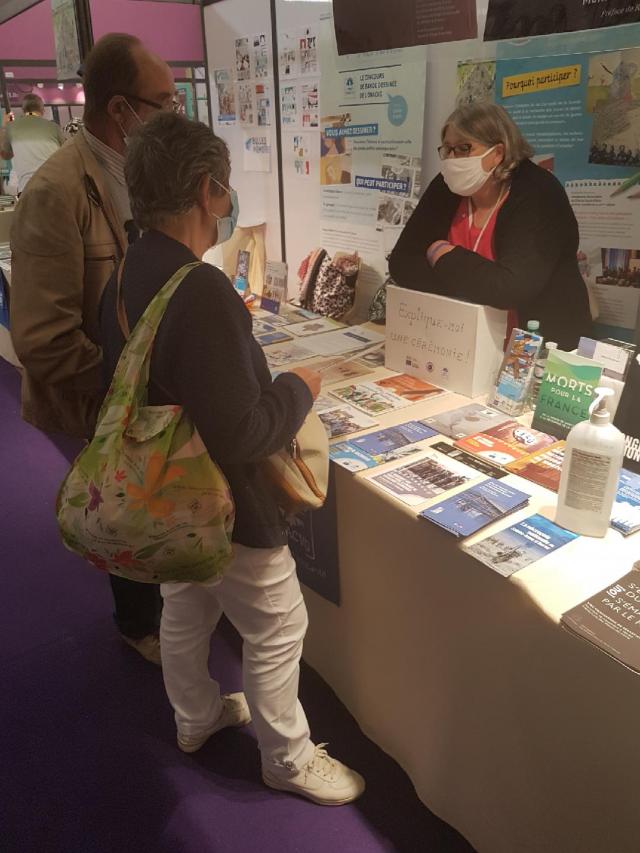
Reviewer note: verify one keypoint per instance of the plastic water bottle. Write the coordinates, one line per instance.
(533, 326)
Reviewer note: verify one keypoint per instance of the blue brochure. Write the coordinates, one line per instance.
(625, 515)
(476, 507)
(383, 445)
(518, 546)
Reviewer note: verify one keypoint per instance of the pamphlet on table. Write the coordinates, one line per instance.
(542, 467)
(505, 443)
(610, 619)
(377, 448)
(465, 420)
(475, 462)
(625, 515)
(291, 352)
(314, 327)
(388, 394)
(432, 475)
(476, 507)
(518, 546)
(347, 340)
(344, 420)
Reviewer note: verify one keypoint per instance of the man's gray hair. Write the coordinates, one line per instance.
(32, 103)
(165, 163)
(489, 124)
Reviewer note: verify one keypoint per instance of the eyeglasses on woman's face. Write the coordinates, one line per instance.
(461, 149)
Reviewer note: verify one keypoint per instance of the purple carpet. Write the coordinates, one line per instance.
(88, 760)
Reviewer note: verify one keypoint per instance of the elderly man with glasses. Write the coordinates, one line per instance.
(69, 233)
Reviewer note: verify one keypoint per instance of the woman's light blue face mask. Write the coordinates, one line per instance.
(227, 224)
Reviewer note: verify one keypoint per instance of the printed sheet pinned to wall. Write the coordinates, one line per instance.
(581, 113)
(508, 19)
(367, 25)
(371, 129)
(253, 99)
(226, 92)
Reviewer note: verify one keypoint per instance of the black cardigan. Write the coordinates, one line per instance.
(205, 358)
(535, 271)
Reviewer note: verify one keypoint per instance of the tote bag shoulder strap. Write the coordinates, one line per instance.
(130, 379)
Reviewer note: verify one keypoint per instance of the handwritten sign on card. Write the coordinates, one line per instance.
(456, 345)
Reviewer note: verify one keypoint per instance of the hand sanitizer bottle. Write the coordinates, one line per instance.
(592, 462)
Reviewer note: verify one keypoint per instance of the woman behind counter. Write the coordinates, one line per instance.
(495, 229)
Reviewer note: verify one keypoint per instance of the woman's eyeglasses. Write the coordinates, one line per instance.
(463, 149)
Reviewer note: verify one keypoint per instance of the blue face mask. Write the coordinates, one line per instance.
(227, 224)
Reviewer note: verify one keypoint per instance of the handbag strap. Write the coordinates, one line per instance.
(121, 313)
(129, 385)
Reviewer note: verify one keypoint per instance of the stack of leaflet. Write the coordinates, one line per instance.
(516, 547)
(506, 443)
(625, 515)
(469, 511)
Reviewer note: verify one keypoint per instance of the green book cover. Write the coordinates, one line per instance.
(566, 392)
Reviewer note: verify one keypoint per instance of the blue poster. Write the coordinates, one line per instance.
(313, 539)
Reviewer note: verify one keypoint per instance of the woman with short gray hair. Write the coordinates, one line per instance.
(496, 229)
(206, 360)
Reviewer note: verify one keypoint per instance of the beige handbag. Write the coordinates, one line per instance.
(299, 473)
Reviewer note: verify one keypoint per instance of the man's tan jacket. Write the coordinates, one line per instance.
(66, 239)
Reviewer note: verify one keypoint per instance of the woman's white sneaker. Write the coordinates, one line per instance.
(235, 712)
(323, 780)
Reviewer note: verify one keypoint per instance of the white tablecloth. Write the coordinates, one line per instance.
(517, 733)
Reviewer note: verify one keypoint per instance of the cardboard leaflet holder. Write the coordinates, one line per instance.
(456, 345)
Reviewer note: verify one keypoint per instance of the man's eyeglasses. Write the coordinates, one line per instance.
(169, 106)
(463, 149)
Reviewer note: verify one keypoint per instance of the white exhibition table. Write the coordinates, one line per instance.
(520, 735)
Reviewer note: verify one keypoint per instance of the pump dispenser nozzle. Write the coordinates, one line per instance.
(598, 410)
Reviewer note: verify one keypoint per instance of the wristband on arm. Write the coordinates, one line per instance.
(434, 248)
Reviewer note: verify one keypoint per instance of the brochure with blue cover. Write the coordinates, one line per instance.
(518, 546)
(383, 445)
(625, 515)
(476, 507)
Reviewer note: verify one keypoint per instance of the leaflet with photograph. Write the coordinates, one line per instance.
(610, 619)
(381, 446)
(265, 316)
(265, 327)
(344, 420)
(542, 467)
(368, 398)
(505, 443)
(280, 355)
(347, 340)
(275, 337)
(516, 372)
(274, 290)
(458, 423)
(408, 388)
(429, 476)
(373, 358)
(481, 465)
(625, 515)
(295, 314)
(314, 327)
(518, 546)
(476, 507)
(339, 370)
